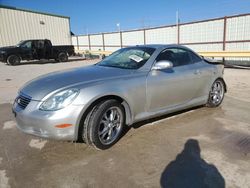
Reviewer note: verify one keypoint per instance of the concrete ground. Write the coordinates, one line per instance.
(202, 147)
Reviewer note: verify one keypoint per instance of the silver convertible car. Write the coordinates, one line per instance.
(95, 103)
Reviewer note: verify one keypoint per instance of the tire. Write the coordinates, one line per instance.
(216, 94)
(13, 60)
(104, 125)
(62, 57)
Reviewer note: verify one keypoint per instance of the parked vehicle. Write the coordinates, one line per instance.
(96, 102)
(35, 50)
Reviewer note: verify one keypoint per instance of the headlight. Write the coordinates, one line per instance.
(2, 52)
(59, 100)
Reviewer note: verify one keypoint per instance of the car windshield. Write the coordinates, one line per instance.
(24, 44)
(20, 43)
(128, 58)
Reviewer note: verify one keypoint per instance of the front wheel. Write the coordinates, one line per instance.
(216, 94)
(104, 125)
(13, 60)
(62, 57)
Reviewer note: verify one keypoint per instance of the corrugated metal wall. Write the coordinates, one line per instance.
(227, 33)
(17, 25)
(131, 38)
(96, 42)
(83, 40)
(112, 41)
(166, 35)
(238, 29)
(202, 32)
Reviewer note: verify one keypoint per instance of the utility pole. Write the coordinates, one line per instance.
(177, 18)
(86, 31)
(178, 26)
(142, 23)
(118, 27)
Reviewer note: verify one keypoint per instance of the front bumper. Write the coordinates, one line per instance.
(33, 121)
(2, 58)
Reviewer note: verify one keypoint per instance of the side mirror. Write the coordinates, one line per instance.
(163, 64)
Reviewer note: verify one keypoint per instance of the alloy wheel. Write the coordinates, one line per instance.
(217, 92)
(110, 125)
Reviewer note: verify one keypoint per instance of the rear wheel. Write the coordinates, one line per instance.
(104, 124)
(62, 57)
(13, 60)
(216, 94)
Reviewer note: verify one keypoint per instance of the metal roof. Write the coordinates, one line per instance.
(36, 12)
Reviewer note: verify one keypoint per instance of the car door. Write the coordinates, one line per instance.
(47, 49)
(26, 50)
(173, 86)
(204, 72)
(40, 49)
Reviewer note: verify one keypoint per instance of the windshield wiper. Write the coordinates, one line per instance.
(114, 66)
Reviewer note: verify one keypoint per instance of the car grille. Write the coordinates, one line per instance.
(23, 101)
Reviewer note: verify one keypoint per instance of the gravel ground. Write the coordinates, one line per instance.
(209, 147)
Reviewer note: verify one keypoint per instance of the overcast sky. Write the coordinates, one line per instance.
(96, 16)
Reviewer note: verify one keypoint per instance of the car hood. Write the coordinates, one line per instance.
(8, 48)
(38, 88)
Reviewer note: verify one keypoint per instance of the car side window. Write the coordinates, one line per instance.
(195, 58)
(40, 44)
(178, 56)
(46, 44)
(35, 44)
(26, 44)
(168, 55)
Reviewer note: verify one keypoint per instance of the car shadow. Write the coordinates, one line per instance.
(41, 62)
(139, 124)
(189, 170)
(151, 120)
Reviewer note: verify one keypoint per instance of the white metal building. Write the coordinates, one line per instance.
(19, 24)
